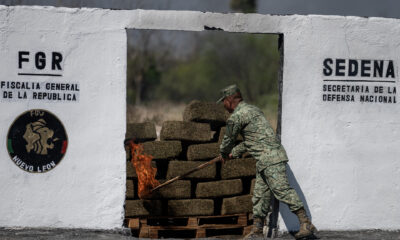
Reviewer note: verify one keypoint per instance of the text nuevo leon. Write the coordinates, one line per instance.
(31, 168)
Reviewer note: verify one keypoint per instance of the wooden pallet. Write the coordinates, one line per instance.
(198, 226)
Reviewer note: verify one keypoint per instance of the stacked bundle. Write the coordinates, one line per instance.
(215, 190)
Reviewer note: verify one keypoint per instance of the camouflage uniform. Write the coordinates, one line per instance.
(260, 141)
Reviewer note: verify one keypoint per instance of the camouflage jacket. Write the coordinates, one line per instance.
(259, 138)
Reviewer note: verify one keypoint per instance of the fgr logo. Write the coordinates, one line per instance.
(40, 63)
(37, 141)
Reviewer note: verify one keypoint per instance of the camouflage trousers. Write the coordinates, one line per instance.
(273, 181)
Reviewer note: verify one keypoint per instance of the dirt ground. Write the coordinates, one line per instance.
(124, 234)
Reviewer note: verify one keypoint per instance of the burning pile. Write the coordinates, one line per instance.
(145, 172)
(184, 145)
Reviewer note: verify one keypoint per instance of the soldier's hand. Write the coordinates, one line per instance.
(223, 160)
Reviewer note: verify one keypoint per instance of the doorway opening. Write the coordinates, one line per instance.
(167, 71)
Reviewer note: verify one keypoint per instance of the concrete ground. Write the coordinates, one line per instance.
(82, 234)
(357, 235)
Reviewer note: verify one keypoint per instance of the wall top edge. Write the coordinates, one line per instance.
(143, 11)
(95, 20)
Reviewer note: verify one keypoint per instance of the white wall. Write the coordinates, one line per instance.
(342, 154)
(87, 188)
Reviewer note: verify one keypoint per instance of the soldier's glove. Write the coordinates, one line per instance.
(223, 160)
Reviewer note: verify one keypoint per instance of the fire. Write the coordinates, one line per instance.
(145, 172)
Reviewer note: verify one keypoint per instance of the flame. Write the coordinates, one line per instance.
(145, 172)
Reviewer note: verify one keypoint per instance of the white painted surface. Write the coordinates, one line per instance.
(87, 188)
(343, 155)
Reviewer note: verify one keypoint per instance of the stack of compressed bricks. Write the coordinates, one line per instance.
(219, 189)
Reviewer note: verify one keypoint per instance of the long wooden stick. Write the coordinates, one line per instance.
(217, 159)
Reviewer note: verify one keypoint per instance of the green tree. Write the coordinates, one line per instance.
(245, 6)
(220, 59)
(145, 66)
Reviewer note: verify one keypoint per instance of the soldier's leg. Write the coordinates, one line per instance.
(278, 182)
(261, 205)
(261, 197)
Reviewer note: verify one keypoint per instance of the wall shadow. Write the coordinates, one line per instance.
(290, 220)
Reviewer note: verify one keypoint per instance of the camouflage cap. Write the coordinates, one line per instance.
(228, 91)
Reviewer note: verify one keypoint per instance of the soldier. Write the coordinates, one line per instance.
(260, 141)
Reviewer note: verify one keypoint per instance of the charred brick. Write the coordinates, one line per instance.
(130, 189)
(137, 208)
(141, 131)
(190, 207)
(237, 168)
(203, 151)
(130, 170)
(219, 188)
(176, 168)
(206, 112)
(163, 149)
(186, 131)
(177, 190)
(239, 204)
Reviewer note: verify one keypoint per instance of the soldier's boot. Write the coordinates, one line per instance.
(307, 229)
(257, 230)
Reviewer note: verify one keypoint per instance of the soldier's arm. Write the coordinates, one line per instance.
(233, 128)
(238, 150)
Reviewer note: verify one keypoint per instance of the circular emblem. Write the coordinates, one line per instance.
(37, 141)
